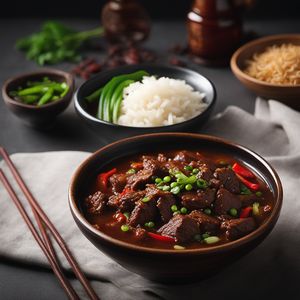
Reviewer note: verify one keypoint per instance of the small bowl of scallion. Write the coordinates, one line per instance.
(37, 98)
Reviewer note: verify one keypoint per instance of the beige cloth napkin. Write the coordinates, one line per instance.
(271, 270)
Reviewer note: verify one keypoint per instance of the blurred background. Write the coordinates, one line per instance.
(162, 9)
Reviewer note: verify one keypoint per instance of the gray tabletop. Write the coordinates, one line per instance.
(25, 282)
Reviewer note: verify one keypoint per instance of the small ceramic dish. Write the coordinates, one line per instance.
(33, 115)
(111, 132)
(288, 94)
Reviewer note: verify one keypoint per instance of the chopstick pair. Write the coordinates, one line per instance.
(44, 241)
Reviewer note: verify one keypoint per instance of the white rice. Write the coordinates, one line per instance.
(159, 102)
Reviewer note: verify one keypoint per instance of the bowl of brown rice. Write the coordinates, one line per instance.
(270, 67)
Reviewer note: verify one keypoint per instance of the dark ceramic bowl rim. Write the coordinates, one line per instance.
(236, 68)
(207, 250)
(88, 116)
(68, 78)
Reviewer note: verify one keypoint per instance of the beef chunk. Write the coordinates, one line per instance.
(164, 204)
(143, 212)
(139, 180)
(118, 182)
(228, 179)
(96, 203)
(187, 156)
(198, 199)
(140, 233)
(154, 165)
(214, 183)
(237, 228)
(225, 201)
(161, 158)
(127, 201)
(181, 227)
(205, 172)
(206, 223)
(248, 200)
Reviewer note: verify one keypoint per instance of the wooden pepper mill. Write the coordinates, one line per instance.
(214, 30)
(125, 21)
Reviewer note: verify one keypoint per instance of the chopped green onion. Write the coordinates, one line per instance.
(233, 212)
(150, 224)
(255, 208)
(131, 171)
(183, 210)
(197, 237)
(174, 208)
(146, 199)
(245, 190)
(176, 213)
(124, 228)
(167, 179)
(173, 184)
(207, 211)
(205, 235)
(178, 247)
(188, 187)
(126, 214)
(195, 171)
(211, 240)
(258, 194)
(188, 168)
(166, 188)
(158, 180)
(175, 190)
(202, 184)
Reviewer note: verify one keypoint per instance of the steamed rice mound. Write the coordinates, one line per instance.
(159, 102)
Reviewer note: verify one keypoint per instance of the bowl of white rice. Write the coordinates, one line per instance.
(166, 99)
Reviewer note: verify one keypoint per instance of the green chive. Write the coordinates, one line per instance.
(131, 171)
(207, 211)
(174, 208)
(183, 210)
(198, 237)
(167, 179)
(178, 247)
(166, 188)
(258, 194)
(175, 190)
(158, 180)
(188, 187)
(124, 228)
(202, 184)
(233, 212)
(146, 199)
(195, 171)
(211, 240)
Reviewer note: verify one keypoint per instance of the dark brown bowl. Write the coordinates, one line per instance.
(288, 94)
(161, 264)
(38, 116)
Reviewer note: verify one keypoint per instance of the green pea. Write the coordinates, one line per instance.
(167, 179)
(188, 187)
(195, 171)
(183, 210)
(131, 171)
(175, 190)
(173, 184)
(146, 199)
(124, 228)
(233, 212)
(205, 235)
(258, 194)
(207, 211)
(174, 208)
(158, 180)
(166, 188)
(150, 224)
(211, 240)
(188, 168)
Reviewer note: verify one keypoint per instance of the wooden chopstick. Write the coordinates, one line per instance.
(56, 269)
(43, 217)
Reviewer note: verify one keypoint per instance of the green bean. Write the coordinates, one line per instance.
(109, 88)
(64, 93)
(94, 96)
(33, 90)
(29, 99)
(46, 97)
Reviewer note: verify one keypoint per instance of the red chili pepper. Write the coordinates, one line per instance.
(125, 191)
(161, 238)
(238, 169)
(120, 217)
(137, 165)
(103, 177)
(247, 183)
(245, 212)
